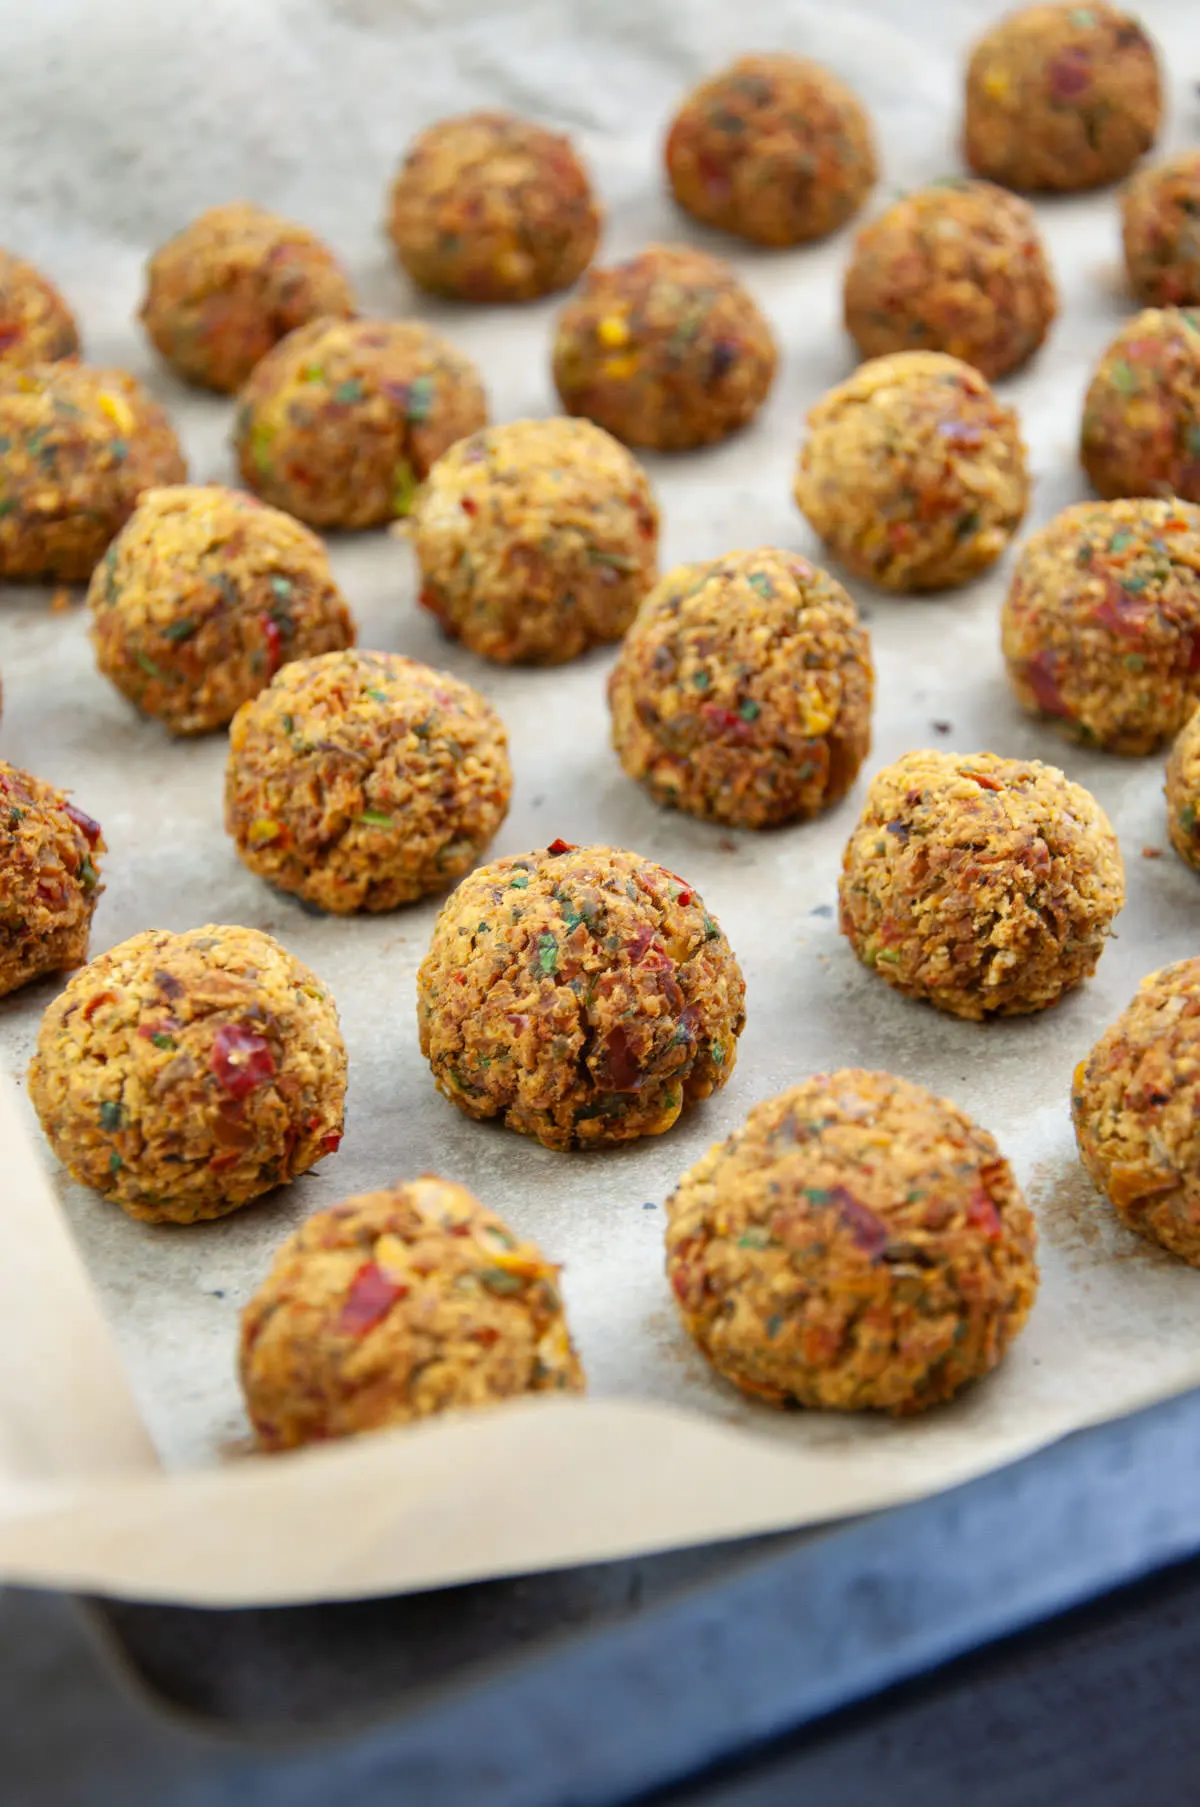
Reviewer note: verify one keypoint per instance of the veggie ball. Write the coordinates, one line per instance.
(228, 287)
(1141, 415)
(77, 448)
(1183, 792)
(359, 781)
(1061, 97)
(1136, 1106)
(394, 1306)
(665, 350)
(581, 994)
(183, 1075)
(49, 879)
(1101, 625)
(342, 420)
(956, 267)
(913, 474)
(200, 599)
(1160, 229)
(536, 540)
(490, 207)
(986, 886)
(858, 1244)
(742, 693)
(774, 148)
(36, 325)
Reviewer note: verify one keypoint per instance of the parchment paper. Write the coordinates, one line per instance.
(116, 125)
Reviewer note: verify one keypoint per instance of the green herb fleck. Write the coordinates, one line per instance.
(1187, 818)
(151, 669)
(288, 723)
(7, 504)
(758, 580)
(701, 679)
(499, 1280)
(349, 391)
(966, 525)
(110, 1115)
(519, 882)
(381, 696)
(774, 1325)
(89, 878)
(180, 630)
(717, 1053)
(419, 405)
(282, 587)
(404, 487)
(818, 1195)
(377, 818)
(161, 1040)
(1124, 377)
(547, 952)
(1120, 539)
(115, 1163)
(711, 931)
(313, 373)
(749, 710)
(617, 561)
(755, 1238)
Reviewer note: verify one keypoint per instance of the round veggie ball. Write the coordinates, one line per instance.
(79, 447)
(985, 885)
(956, 267)
(582, 994)
(858, 1244)
(1160, 229)
(1136, 1106)
(1101, 624)
(228, 287)
(665, 350)
(394, 1306)
(36, 325)
(1141, 415)
(360, 781)
(490, 207)
(913, 474)
(536, 540)
(49, 879)
(183, 1075)
(1061, 97)
(202, 596)
(774, 148)
(1183, 791)
(341, 422)
(742, 693)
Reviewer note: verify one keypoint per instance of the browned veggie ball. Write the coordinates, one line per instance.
(913, 474)
(183, 1075)
(1101, 625)
(341, 422)
(1183, 791)
(665, 350)
(774, 148)
(1061, 97)
(1141, 416)
(360, 781)
(233, 283)
(394, 1306)
(957, 267)
(536, 540)
(1160, 230)
(77, 448)
(200, 599)
(858, 1244)
(36, 325)
(581, 994)
(490, 207)
(743, 690)
(49, 879)
(1136, 1106)
(985, 885)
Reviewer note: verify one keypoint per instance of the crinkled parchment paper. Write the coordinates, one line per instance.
(117, 123)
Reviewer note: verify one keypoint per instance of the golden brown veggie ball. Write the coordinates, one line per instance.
(341, 422)
(536, 540)
(986, 886)
(913, 474)
(233, 283)
(1183, 791)
(1141, 416)
(1160, 230)
(1101, 625)
(774, 148)
(360, 781)
(957, 267)
(490, 207)
(183, 1075)
(581, 994)
(743, 690)
(394, 1306)
(49, 879)
(200, 599)
(1061, 97)
(856, 1245)
(77, 448)
(36, 325)
(665, 350)
(1136, 1106)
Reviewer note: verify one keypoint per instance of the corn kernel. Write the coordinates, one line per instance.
(117, 409)
(620, 367)
(613, 330)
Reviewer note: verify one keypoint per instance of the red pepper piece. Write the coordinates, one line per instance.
(982, 1213)
(725, 721)
(1041, 676)
(241, 1059)
(94, 1004)
(620, 1070)
(985, 783)
(869, 1231)
(274, 640)
(91, 829)
(469, 505)
(684, 898)
(561, 846)
(1070, 72)
(369, 1300)
(1120, 610)
(332, 1142)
